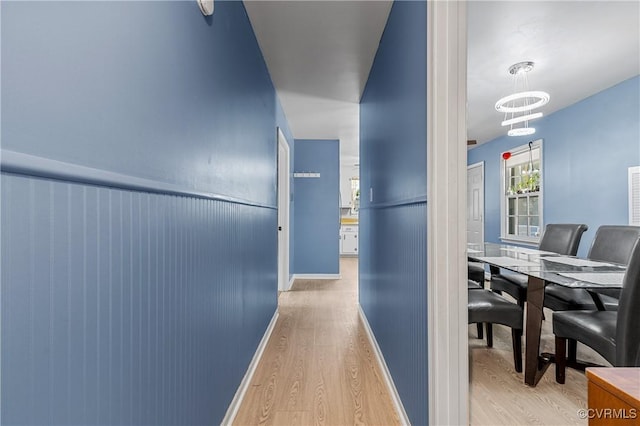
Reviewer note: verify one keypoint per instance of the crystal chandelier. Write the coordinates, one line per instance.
(518, 107)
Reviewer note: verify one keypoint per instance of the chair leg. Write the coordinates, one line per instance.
(516, 338)
(489, 335)
(573, 349)
(561, 359)
(522, 297)
(480, 331)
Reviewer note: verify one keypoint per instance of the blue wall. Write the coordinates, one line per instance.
(123, 306)
(393, 235)
(152, 90)
(587, 150)
(317, 213)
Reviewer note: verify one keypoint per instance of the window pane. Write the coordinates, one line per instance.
(534, 221)
(522, 206)
(534, 226)
(533, 205)
(512, 207)
(512, 225)
(512, 186)
(523, 223)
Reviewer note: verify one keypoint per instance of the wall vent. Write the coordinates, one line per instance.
(634, 196)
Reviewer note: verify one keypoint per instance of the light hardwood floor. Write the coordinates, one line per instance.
(318, 367)
(498, 395)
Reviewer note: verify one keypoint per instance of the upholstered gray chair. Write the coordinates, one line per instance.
(613, 334)
(486, 307)
(474, 285)
(561, 238)
(476, 272)
(612, 244)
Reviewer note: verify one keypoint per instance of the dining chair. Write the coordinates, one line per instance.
(476, 271)
(613, 334)
(560, 238)
(611, 244)
(486, 307)
(474, 285)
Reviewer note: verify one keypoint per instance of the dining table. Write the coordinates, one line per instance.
(543, 268)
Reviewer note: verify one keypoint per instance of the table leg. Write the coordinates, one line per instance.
(534, 365)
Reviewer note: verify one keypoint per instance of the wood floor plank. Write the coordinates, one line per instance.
(498, 395)
(318, 367)
(292, 418)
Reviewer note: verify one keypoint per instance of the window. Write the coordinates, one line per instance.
(522, 193)
(355, 194)
(634, 196)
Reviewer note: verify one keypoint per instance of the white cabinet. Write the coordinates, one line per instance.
(349, 240)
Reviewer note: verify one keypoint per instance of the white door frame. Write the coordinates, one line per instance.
(469, 167)
(284, 200)
(448, 344)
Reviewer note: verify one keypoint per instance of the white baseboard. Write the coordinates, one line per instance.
(293, 278)
(317, 276)
(232, 411)
(395, 398)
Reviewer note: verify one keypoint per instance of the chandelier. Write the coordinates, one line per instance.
(518, 107)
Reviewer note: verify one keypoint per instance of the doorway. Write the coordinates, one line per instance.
(284, 200)
(475, 203)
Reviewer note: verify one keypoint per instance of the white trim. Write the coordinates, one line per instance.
(521, 242)
(284, 198)
(395, 397)
(504, 236)
(634, 196)
(233, 408)
(446, 161)
(32, 165)
(291, 280)
(317, 276)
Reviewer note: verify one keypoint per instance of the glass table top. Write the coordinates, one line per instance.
(569, 271)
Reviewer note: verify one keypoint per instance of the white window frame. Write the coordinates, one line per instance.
(504, 235)
(634, 196)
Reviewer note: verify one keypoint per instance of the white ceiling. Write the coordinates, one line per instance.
(319, 54)
(579, 48)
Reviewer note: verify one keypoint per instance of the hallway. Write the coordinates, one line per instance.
(318, 366)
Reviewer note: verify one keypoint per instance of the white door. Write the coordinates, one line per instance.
(283, 212)
(475, 203)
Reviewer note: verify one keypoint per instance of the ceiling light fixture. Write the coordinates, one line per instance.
(206, 7)
(518, 106)
(522, 118)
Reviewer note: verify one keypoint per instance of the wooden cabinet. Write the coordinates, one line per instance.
(349, 240)
(613, 396)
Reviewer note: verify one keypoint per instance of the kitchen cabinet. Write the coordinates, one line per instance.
(349, 240)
